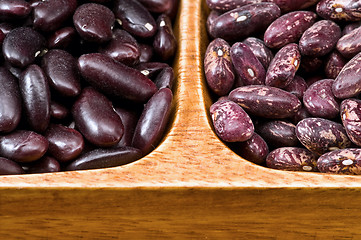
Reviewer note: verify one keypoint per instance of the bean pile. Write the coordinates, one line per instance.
(285, 77)
(84, 84)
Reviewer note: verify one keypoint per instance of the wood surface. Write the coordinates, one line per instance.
(190, 186)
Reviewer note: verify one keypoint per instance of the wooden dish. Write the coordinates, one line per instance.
(191, 185)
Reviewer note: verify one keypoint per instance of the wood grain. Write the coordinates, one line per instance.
(190, 186)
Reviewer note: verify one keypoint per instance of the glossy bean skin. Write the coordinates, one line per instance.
(266, 101)
(227, 5)
(351, 117)
(95, 118)
(334, 64)
(8, 167)
(350, 44)
(123, 48)
(46, 19)
(311, 65)
(342, 161)
(94, 22)
(58, 111)
(151, 69)
(164, 43)
(145, 52)
(35, 93)
(10, 108)
(242, 22)
(300, 115)
(210, 19)
(62, 38)
(65, 143)
(254, 149)
(21, 45)
(320, 101)
(14, 9)
(320, 38)
(104, 158)
(294, 5)
(135, 18)
(292, 159)
(165, 78)
(337, 10)
(278, 133)
(283, 66)
(157, 6)
(63, 75)
(260, 50)
(247, 65)
(218, 67)
(129, 119)
(347, 82)
(350, 27)
(117, 79)
(45, 164)
(297, 87)
(231, 123)
(321, 135)
(288, 28)
(153, 121)
(33, 146)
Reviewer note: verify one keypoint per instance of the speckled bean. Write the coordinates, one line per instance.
(278, 133)
(293, 5)
(342, 161)
(227, 5)
(254, 149)
(351, 118)
(339, 10)
(260, 50)
(350, 44)
(334, 64)
(297, 87)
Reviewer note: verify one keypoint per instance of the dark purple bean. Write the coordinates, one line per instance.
(58, 111)
(6, 27)
(96, 119)
(311, 65)
(322, 135)
(8, 167)
(218, 67)
(254, 149)
(244, 21)
(342, 161)
(14, 9)
(283, 66)
(246, 64)
(135, 18)
(288, 28)
(300, 115)
(94, 22)
(227, 5)
(60, 67)
(347, 82)
(231, 122)
(157, 6)
(10, 99)
(151, 69)
(351, 117)
(146, 52)
(312, 79)
(103, 158)
(210, 19)
(173, 10)
(297, 87)
(320, 38)
(320, 101)
(334, 64)
(22, 45)
(278, 133)
(23, 146)
(129, 119)
(292, 159)
(350, 44)
(164, 43)
(152, 122)
(35, 93)
(350, 27)
(293, 5)
(266, 101)
(50, 15)
(260, 50)
(62, 38)
(123, 48)
(339, 10)
(45, 164)
(165, 78)
(115, 78)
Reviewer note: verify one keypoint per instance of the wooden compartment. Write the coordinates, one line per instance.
(190, 186)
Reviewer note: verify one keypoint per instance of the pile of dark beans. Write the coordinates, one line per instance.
(286, 79)
(83, 84)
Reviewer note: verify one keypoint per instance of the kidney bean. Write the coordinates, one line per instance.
(33, 146)
(22, 45)
(292, 159)
(231, 122)
(210, 19)
(347, 82)
(129, 119)
(339, 10)
(350, 44)
(351, 117)
(254, 149)
(153, 121)
(218, 67)
(242, 22)
(260, 50)
(164, 43)
(63, 75)
(45, 164)
(14, 9)
(334, 64)
(165, 78)
(342, 161)
(288, 28)
(8, 167)
(350, 27)
(135, 18)
(322, 135)
(151, 69)
(116, 78)
(6, 27)
(292, 5)
(58, 111)
(246, 64)
(300, 115)
(283, 66)
(310, 65)
(320, 101)
(103, 158)
(157, 6)
(145, 53)
(62, 38)
(278, 133)
(95, 118)
(266, 101)
(297, 87)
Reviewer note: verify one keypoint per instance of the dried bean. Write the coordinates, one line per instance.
(45, 164)
(297, 87)
(254, 149)
(334, 64)
(164, 43)
(343, 161)
(8, 167)
(278, 133)
(62, 38)
(339, 10)
(351, 117)
(260, 50)
(350, 44)
(14, 9)
(165, 78)
(292, 5)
